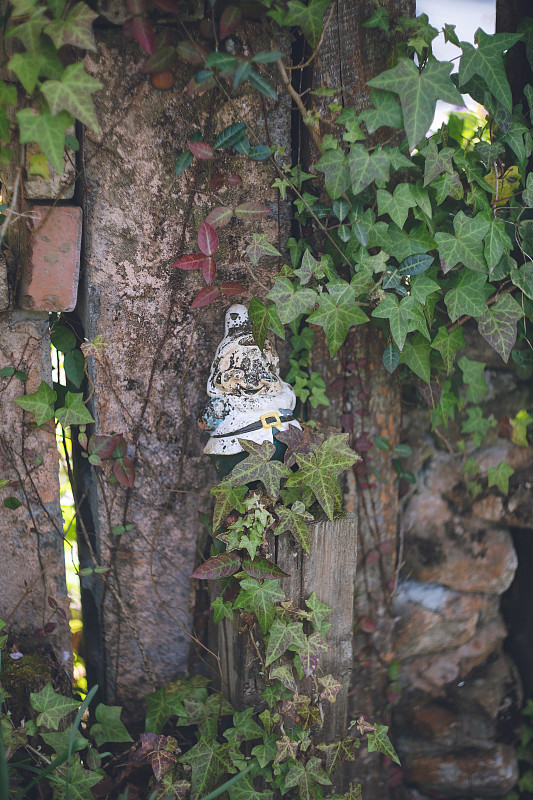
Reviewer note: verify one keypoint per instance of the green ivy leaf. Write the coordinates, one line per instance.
(108, 727)
(416, 356)
(447, 343)
(263, 319)
(309, 18)
(419, 91)
(366, 168)
(468, 296)
(209, 762)
(336, 313)
(161, 705)
(47, 131)
(473, 377)
(499, 476)
(80, 782)
(422, 286)
(59, 741)
(40, 403)
(387, 111)
(245, 727)
(315, 646)
(486, 62)
(74, 412)
(306, 777)
(318, 471)
(498, 325)
(399, 314)
(294, 520)
(52, 707)
(73, 94)
(523, 278)
(228, 497)
(76, 29)
(282, 636)
(221, 610)
(290, 303)
(260, 247)
(497, 242)
(244, 789)
(29, 32)
(283, 673)
(260, 598)
(258, 467)
(334, 165)
(466, 246)
(437, 161)
(379, 740)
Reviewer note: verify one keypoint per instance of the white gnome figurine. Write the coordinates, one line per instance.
(248, 397)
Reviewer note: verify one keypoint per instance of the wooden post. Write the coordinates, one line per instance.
(328, 570)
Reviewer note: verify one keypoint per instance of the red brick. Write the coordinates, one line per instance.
(51, 270)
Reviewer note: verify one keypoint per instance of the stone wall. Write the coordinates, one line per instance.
(458, 716)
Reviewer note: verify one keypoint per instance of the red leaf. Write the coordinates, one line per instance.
(49, 627)
(229, 21)
(52, 602)
(127, 28)
(218, 567)
(207, 239)
(124, 471)
(209, 269)
(230, 288)
(144, 34)
(167, 5)
(252, 211)
(234, 180)
(136, 6)
(261, 568)
(191, 261)
(206, 296)
(219, 216)
(217, 180)
(102, 445)
(191, 52)
(201, 149)
(121, 449)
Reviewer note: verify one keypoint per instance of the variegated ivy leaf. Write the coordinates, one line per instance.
(282, 636)
(209, 762)
(260, 598)
(468, 295)
(447, 343)
(466, 245)
(75, 29)
(336, 313)
(331, 689)
(306, 777)
(294, 520)
(286, 749)
(291, 302)
(283, 673)
(379, 740)
(498, 325)
(258, 467)
(310, 654)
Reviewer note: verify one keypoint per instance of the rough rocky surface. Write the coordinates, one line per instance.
(150, 384)
(4, 287)
(31, 536)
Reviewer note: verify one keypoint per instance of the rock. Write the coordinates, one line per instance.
(467, 556)
(441, 728)
(433, 618)
(489, 772)
(433, 673)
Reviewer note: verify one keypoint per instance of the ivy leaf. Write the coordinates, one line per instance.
(497, 242)
(398, 315)
(262, 569)
(422, 286)
(306, 778)
(39, 403)
(331, 689)
(80, 781)
(336, 313)
(76, 29)
(26, 68)
(218, 567)
(415, 264)
(466, 246)
(286, 749)
(245, 727)
(387, 111)
(159, 751)
(379, 740)
(228, 497)
(244, 789)
(437, 161)
(307, 17)
(59, 741)
(29, 32)
(260, 247)
(221, 610)
(74, 412)
(473, 377)
(319, 471)
(396, 205)
(467, 296)
(499, 476)
(366, 168)
(523, 278)
(209, 762)
(73, 94)
(486, 61)
(291, 303)
(498, 325)
(263, 319)
(283, 673)
(161, 705)
(416, 356)
(447, 343)
(47, 131)
(260, 598)
(259, 467)
(281, 637)
(108, 727)
(318, 612)
(294, 520)
(334, 165)
(419, 91)
(310, 654)
(519, 425)
(337, 752)
(52, 707)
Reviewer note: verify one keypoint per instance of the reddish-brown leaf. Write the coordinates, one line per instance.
(167, 5)
(367, 624)
(261, 568)
(209, 269)
(217, 181)
(230, 288)
(162, 58)
(191, 52)
(252, 211)
(234, 180)
(127, 28)
(206, 296)
(136, 6)
(229, 21)
(201, 149)
(102, 445)
(219, 216)
(124, 471)
(191, 261)
(207, 239)
(218, 567)
(372, 557)
(144, 34)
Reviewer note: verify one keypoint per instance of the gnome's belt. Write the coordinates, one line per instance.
(272, 419)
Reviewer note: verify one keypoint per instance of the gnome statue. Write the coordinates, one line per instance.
(249, 400)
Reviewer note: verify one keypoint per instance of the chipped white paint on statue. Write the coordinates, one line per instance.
(248, 397)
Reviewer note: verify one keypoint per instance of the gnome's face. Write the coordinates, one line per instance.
(244, 370)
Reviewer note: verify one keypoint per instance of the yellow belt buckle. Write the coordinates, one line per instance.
(276, 420)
